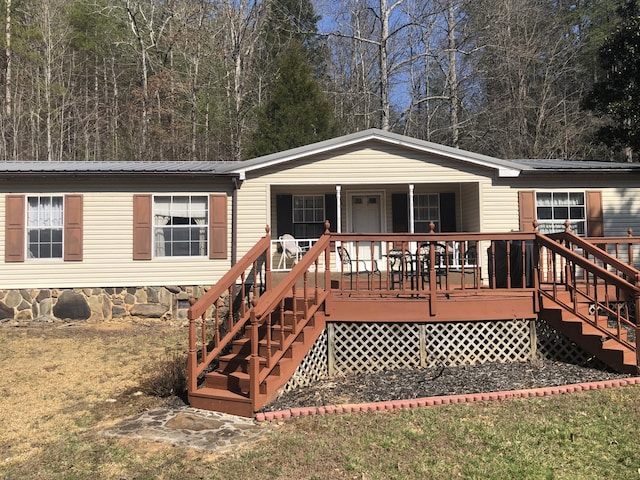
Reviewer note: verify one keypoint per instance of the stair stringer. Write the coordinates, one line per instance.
(594, 341)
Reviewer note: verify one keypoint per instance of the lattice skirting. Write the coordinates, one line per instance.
(555, 346)
(347, 348)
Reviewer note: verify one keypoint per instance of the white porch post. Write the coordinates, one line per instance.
(411, 216)
(339, 212)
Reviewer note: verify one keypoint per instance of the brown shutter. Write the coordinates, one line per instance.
(142, 227)
(595, 224)
(14, 228)
(527, 210)
(73, 228)
(218, 227)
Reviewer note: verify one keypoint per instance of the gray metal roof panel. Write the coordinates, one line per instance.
(559, 165)
(116, 167)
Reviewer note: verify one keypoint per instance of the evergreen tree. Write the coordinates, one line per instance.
(297, 112)
(617, 96)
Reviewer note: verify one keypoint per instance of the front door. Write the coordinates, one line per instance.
(366, 217)
(366, 213)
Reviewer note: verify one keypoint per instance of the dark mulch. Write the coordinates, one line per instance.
(406, 384)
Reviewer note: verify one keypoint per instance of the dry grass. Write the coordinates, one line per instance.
(59, 379)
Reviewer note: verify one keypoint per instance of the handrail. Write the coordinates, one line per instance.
(551, 244)
(601, 254)
(270, 300)
(229, 278)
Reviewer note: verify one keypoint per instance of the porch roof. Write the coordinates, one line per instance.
(504, 168)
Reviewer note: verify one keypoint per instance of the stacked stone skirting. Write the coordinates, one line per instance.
(97, 304)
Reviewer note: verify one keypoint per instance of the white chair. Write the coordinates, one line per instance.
(290, 250)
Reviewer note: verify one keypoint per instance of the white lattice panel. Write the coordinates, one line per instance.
(313, 366)
(555, 346)
(472, 343)
(371, 347)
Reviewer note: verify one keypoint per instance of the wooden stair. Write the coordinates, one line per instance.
(228, 388)
(600, 342)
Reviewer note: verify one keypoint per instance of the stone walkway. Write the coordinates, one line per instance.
(190, 427)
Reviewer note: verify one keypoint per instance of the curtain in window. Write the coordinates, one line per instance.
(160, 221)
(45, 212)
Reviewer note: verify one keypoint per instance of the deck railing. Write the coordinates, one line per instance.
(416, 264)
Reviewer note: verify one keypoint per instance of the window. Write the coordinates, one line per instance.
(426, 209)
(308, 216)
(181, 226)
(45, 224)
(553, 208)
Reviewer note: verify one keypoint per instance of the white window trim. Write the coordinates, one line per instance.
(206, 226)
(560, 222)
(28, 228)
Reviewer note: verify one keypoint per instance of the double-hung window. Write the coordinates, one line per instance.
(45, 226)
(308, 216)
(426, 209)
(181, 225)
(554, 208)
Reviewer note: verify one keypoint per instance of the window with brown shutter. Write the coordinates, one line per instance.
(43, 227)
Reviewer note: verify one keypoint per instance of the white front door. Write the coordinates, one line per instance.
(366, 217)
(366, 213)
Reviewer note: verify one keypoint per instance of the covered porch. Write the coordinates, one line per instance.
(298, 214)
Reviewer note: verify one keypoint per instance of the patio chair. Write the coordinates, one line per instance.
(401, 268)
(290, 250)
(360, 266)
(441, 258)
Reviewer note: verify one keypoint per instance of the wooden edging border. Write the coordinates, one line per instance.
(444, 400)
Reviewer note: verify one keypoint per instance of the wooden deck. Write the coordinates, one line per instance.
(257, 333)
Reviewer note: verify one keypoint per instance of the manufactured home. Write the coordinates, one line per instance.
(368, 212)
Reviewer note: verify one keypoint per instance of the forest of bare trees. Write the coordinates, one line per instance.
(198, 79)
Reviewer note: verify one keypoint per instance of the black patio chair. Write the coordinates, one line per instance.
(356, 267)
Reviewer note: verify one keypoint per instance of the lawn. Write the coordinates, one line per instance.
(63, 384)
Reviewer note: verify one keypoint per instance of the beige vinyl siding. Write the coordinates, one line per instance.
(388, 165)
(468, 207)
(499, 208)
(253, 210)
(107, 254)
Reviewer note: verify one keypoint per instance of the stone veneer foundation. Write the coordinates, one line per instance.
(97, 304)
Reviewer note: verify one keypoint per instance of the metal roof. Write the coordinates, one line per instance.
(121, 167)
(559, 165)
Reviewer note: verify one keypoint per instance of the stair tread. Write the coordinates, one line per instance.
(222, 394)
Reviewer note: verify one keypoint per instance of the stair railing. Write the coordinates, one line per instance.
(592, 251)
(610, 286)
(229, 302)
(306, 271)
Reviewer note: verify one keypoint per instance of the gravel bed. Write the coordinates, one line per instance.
(429, 382)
